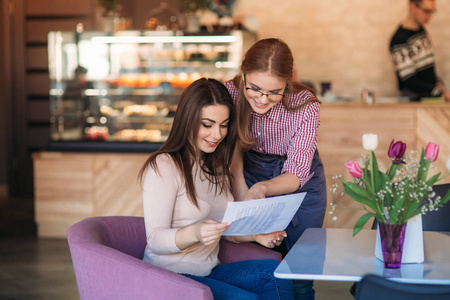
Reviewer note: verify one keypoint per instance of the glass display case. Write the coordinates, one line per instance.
(120, 90)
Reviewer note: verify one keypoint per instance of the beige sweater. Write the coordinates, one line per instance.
(167, 208)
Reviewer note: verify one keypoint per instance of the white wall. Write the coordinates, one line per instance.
(345, 41)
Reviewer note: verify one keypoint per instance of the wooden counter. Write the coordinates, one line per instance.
(69, 187)
(72, 186)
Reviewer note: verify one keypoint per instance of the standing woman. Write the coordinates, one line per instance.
(277, 152)
(187, 186)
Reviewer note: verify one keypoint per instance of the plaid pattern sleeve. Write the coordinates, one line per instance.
(300, 151)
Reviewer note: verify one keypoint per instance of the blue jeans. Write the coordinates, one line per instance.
(250, 279)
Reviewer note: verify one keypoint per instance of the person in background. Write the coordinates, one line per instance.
(186, 188)
(277, 151)
(413, 57)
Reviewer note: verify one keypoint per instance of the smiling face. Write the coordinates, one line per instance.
(260, 87)
(213, 127)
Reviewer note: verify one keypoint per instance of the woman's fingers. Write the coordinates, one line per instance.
(211, 231)
(276, 238)
(211, 239)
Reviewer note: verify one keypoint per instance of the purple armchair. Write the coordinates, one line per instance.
(107, 258)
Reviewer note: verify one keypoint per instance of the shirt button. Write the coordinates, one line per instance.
(259, 133)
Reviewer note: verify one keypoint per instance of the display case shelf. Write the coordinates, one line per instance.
(129, 91)
(124, 86)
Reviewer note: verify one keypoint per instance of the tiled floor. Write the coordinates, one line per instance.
(41, 269)
(32, 268)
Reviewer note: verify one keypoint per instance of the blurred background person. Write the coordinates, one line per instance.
(412, 54)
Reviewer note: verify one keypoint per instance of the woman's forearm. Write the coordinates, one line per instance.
(268, 240)
(186, 237)
(206, 232)
(283, 184)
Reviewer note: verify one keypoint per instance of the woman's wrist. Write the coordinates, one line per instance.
(186, 236)
(261, 186)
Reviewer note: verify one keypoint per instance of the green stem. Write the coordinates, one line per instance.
(372, 177)
(388, 172)
(372, 181)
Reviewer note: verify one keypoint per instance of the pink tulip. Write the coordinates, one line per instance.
(432, 151)
(354, 169)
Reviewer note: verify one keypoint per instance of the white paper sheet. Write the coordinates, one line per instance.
(262, 215)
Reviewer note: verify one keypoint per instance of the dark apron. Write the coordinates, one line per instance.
(261, 167)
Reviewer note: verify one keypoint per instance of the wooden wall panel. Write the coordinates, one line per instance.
(39, 137)
(38, 83)
(58, 7)
(37, 30)
(342, 128)
(433, 125)
(26, 28)
(37, 58)
(6, 92)
(39, 110)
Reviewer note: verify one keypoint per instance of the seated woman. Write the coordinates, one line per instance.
(187, 185)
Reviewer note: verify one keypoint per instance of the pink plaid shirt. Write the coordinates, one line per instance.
(281, 132)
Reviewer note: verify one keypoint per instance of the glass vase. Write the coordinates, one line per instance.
(392, 239)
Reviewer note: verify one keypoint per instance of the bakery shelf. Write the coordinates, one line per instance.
(113, 88)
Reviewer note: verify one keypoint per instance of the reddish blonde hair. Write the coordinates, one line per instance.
(266, 55)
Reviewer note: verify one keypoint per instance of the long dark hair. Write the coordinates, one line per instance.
(267, 55)
(180, 144)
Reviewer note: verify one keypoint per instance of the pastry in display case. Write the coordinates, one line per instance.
(123, 87)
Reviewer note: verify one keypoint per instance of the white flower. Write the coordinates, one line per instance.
(370, 141)
(448, 164)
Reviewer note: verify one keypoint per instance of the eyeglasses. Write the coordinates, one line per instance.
(257, 94)
(426, 11)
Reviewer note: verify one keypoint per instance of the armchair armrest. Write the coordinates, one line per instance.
(232, 252)
(106, 273)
